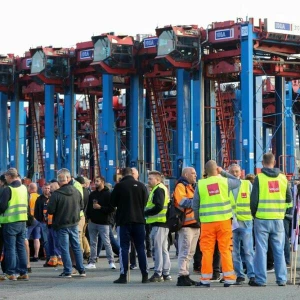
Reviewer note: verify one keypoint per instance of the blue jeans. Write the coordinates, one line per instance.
(94, 231)
(114, 243)
(14, 247)
(70, 235)
(44, 233)
(273, 231)
(136, 233)
(287, 247)
(53, 245)
(243, 234)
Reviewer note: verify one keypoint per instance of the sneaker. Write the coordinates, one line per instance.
(281, 284)
(183, 281)
(23, 277)
(252, 279)
(156, 278)
(190, 280)
(240, 279)
(254, 283)
(90, 266)
(63, 274)
(167, 277)
(133, 267)
(121, 279)
(216, 277)
(202, 285)
(29, 270)
(82, 274)
(59, 261)
(145, 278)
(270, 270)
(222, 280)
(152, 268)
(74, 272)
(112, 266)
(8, 277)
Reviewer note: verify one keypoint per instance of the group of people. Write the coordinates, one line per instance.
(229, 222)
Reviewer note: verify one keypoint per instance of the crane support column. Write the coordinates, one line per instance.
(183, 122)
(3, 132)
(70, 130)
(237, 126)
(50, 149)
(258, 122)
(136, 122)
(60, 135)
(107, 133)
(247, 97)
(22, 153)
(290, 127)
(14, 133)
(197, 120)
(280, 98)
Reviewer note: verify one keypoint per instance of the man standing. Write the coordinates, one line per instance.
(13, 210)
(188, 235)
(155, 212)
(129, 197)
(245, 226)
(40, 204)
(212, 204)
(269, 198)
(65, 204)
(99, 212)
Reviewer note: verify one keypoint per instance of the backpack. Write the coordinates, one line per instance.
(175, 217)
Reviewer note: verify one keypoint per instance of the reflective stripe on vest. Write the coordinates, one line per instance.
(215, 202)
(17, 206)
(272, 197)
(161, 216)
(243, 211)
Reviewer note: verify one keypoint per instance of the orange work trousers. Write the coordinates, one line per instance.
(222, 233)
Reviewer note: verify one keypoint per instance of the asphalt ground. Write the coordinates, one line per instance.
(45, 284)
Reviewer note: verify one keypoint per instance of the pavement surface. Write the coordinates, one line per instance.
(44, 284)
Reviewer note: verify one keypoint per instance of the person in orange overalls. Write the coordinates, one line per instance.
(212, 206)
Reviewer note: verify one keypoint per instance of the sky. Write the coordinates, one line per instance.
(63, 23)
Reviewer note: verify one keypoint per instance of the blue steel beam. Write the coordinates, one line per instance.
(136, 121)
(13, 126)
(107, 132)
(247, 97)
(237, 126)
(22, 153)
(258, 121)
(50, 149)
(70, 156)
(290, 127)
(60, 138)
(183, 121)
(3, 132)
(197, 121)
(280, 99)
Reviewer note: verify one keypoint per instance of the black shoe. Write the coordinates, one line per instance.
(34, 259)
(156, 278)
(133, 267)
(240, 279)
(145, 278)
(151, 268)
(222, 280)
(282, 284)
(121, 279)
(232, 284)
(216, 277)
(254, 283)
(183, 281)
(29, 270)
(252, 279)
(190, 280)
(202, 285)
(167, 277)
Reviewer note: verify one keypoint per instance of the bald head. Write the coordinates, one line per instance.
(54, 186)
(135, 173)
(211, 168)
(32, 188)
(190, 174)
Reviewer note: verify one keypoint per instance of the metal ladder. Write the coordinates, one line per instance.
(92, 110)
(41, 165)
(160, 125)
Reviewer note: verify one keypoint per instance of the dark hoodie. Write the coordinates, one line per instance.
(254, 198)
(103, 215)
(65, 205)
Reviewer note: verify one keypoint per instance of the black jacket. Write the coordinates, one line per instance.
(65, 205)
(129, 196)
(39, 208)
(104, 214)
